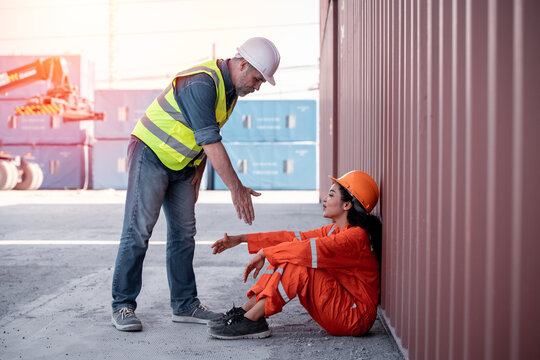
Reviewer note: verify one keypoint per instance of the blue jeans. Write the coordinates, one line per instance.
(152, 185)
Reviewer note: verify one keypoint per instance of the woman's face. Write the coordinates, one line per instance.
(333, 206)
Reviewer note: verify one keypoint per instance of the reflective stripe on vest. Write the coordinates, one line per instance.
(165, 130)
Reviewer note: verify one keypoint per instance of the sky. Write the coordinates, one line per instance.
(154, 39)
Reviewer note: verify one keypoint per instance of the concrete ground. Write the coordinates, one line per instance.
(57, 252)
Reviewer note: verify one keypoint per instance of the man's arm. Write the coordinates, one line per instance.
(241, 195)
(196, 97)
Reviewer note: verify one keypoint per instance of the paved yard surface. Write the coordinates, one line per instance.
(57, 250)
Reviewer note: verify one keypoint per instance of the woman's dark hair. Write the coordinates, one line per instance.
(358, 216)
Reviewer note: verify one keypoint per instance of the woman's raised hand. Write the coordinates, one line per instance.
(226, 242)
(257, 263)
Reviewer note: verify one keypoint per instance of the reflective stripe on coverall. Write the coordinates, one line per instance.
(335, 276)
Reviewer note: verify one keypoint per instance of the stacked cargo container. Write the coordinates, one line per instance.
(272, 144)
(62, 150)
(123, 108)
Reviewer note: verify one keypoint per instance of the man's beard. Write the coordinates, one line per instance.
(242, 90)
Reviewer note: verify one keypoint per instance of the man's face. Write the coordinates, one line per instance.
(249, 80)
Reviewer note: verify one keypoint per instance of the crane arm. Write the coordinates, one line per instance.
(53, 69)
(62, 99)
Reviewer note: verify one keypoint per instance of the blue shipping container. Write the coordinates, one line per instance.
(122, 108)
(63, 166)
(40, 129)
(110, 165)
(273, 166)
(272, 120)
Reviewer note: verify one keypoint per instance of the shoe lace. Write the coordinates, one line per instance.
(233, 311)
(203, 307)
(235, 318)
(126, 313)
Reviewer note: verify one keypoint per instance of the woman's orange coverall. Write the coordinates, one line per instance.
(334, 273)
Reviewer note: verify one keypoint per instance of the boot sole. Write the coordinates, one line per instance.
(261, 335)
(188, 319)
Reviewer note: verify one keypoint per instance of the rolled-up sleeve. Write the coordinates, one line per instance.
(207, 135)
(196, 96)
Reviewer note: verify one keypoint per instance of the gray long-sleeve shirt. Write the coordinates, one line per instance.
(196, 97)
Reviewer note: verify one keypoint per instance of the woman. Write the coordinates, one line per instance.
(333, 270)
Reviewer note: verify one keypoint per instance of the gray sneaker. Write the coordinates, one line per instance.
(217, 322)
(240, 327)
(126, 320)
(198, 315)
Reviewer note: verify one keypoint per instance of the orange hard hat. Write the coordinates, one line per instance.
(362, 186)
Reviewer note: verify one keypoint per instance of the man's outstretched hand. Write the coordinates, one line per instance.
(241, 199)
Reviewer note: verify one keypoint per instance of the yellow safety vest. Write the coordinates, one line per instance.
(165, 130)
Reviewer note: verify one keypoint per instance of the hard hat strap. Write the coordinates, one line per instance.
(358, 206)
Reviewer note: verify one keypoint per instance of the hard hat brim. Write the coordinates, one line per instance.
(270, 80)
(337, 181)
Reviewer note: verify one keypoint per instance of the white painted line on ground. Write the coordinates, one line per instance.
(118, 197)
(84, 242)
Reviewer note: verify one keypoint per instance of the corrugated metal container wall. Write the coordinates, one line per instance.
(439, 101)
(327, 103)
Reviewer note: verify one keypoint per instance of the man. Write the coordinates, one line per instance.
(167, 155)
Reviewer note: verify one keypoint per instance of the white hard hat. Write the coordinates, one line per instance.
(263, 55)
